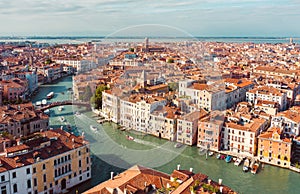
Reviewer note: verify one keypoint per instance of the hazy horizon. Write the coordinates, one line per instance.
(203, 18)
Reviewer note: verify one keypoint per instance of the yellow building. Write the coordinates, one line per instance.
(274, 149)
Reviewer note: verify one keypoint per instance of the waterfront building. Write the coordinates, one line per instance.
(163, 122)
(22, 119)
(269, 94)
(209, 131)
(274, 148)
(288, 121)
(45, 162)
(240, 133)
(135, 110)
(187, 127)
(111, 106)
(138, 179)
(15, 89)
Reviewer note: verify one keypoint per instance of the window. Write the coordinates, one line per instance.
(88, 174)
(79, 163)
(87, 160)
(45, 188)
(34, 170)
(14, 174)
(80, 178)
(45, 178)
(15, 188)
(28, 170)
(35, 182)
(44, 166)
(28, 184)
(3, 178)
(3, 190)
(79, 153)
(54, 162)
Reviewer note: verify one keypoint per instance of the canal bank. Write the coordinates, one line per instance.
(113, 152)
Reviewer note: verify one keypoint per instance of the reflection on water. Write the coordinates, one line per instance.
(112, 151)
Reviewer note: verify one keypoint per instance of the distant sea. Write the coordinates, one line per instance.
(52, 40)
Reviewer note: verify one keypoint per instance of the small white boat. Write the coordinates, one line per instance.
(210, 153)
(246, 165)
(44, 102)
(50, 95)
(77, 113)
(238, 161)
(129, 137)
(178, 145)
(93, 128)
(62, 119)
(60, 108)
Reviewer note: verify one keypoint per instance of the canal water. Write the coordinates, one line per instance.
(113, 152)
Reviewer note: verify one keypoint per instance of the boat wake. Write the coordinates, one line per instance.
(146, 142)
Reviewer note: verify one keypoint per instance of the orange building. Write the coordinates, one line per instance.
(274, 148)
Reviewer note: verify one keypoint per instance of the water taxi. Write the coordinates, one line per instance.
(50, 95)
(93, 128)
(60, 108)
(246, 165)
(178, 145)
(62, 119)
(228, 159)
(129, 137)
(238, 161)
(254, 168)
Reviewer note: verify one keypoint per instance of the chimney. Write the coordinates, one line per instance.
(221, 189)
(178, 167)
(209, 180)
(111, 175)
(191, 169)
(220, 181)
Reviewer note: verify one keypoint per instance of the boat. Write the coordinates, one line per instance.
(178, 145)
(77, 113)
(222, 157)
(62, 119)
(129, 137)
(210, 153)
(218, 156)
(246, 165)
(50, 95)
(93, 128)
(238, 161)
(228, 158)
(38, 103)
(69, 127)
(60, 108)
(47, 112)
(254, 168)
(44, 102)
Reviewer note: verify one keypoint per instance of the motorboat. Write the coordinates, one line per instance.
(93, 128)
(60, 108)
(77, 113)
(178, 145)
(238, 161)
(228, 158)
(62, 119)
(254, 168)
(210, 153)
(129, 137)
(246, 165)
(50, 95)
(218, 156)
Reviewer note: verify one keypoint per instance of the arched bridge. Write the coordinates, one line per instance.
(62, 103)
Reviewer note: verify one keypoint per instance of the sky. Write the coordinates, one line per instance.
(130, 17)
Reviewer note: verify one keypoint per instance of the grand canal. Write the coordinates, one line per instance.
(113, 152)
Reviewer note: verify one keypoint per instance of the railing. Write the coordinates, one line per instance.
(67, 102)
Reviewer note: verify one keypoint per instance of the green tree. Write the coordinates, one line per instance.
(173, 86)
(131, 49)
(97, 97)
(87, 94)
